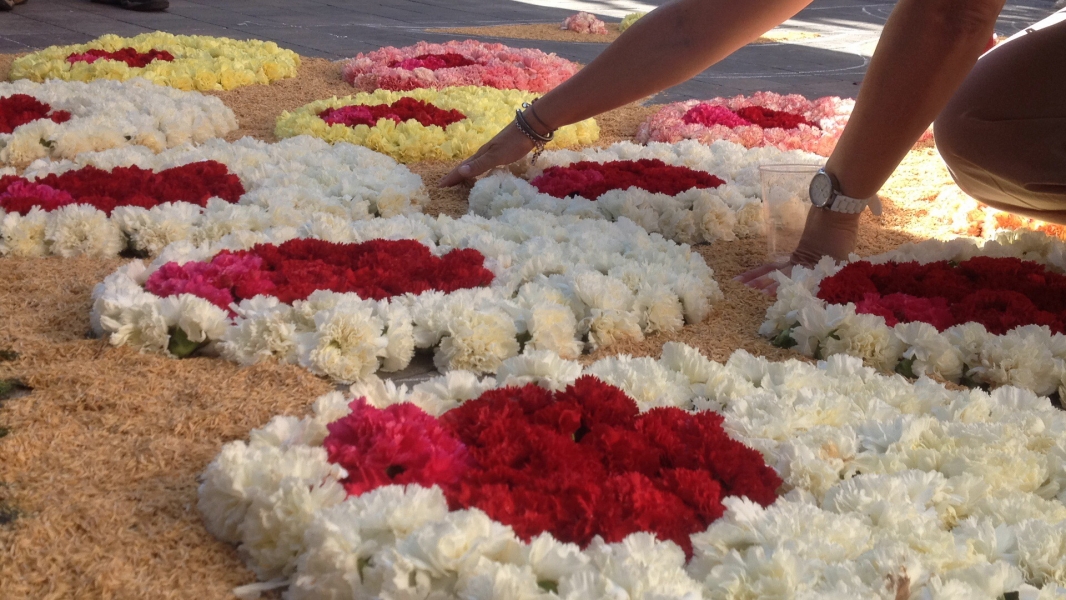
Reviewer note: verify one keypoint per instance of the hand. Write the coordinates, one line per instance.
(509, 145)
(826, 233)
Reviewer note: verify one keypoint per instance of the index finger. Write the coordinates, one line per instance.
(457, 175)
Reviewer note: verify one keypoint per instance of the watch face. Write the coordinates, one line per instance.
(821, 189)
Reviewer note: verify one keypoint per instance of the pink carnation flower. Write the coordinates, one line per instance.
(22, 195)
(584, 22)
(494, 65)
(400, 444)
(211, 281)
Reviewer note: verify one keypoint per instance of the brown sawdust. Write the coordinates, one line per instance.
(553, 33)
(103, 455)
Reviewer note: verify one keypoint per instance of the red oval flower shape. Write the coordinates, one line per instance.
(291, 271)
(399, 111)
(999, 293)
(709, 115)
(122, 186)
(591, 180)
(19, 109)
(129, 56)
(433, 62)
(578, 463)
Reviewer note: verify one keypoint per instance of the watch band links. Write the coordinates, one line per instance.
(846, 204)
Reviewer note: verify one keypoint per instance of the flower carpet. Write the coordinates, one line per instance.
(103, 203)
(465, 63)
(423, 124)
(479, 291)
(186, 62)
(608, 422)
(686, 192)
(59, 119)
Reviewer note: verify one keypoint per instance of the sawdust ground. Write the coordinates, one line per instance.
(101, 460)
(552, 32)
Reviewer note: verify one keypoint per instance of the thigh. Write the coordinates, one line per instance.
(1003, 134)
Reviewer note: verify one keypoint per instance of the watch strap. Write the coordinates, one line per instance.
(846, 204)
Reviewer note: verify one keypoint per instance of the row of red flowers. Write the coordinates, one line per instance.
(130, 56)
(433, 62)
(999, 293)
(591, 180)
(709, 115)
(399, 111)
(578, 463)
(122, 186)
(376, 269)
(18, 109)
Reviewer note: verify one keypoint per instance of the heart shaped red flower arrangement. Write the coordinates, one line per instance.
(577, 463)
(130, 56)
(19, 109)
(122, 186)
(402, 110)
(999, 293)
(590, 179)
(376, 269)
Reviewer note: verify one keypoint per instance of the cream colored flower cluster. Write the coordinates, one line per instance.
(561, 284)
(487, 110)
(890, 487)
(200, 62)
(1029, 357)
(696, 215)
(111, 114)
(286, 184)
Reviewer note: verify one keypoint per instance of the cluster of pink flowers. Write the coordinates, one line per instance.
(584, 22)
(718, 120)
(493, 65)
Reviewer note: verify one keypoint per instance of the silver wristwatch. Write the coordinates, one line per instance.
(825, 193)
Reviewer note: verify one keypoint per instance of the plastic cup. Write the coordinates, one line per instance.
(786, 200)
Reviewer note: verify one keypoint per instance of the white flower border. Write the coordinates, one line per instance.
(693, 216)
(111, 114)
(286, 184)
(954, 494)
(1029, 357)
(561, 284)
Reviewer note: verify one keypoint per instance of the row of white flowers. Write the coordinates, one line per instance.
(1030, 357)
(693, 216)
(286, 184)
(892, 490)
(561, 284)
(111, 114)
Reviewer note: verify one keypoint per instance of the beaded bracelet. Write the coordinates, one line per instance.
(539, 141)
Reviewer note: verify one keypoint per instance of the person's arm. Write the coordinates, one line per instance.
(670, 45)
(926, 50)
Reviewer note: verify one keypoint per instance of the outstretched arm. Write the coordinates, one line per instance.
(672, 44)
(926, 50)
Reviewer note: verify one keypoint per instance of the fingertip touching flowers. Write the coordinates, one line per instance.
(688, 192)
(186, 62)
(457, 63)
(61, 119)
(422, 124)
(586, 23)
(764, 119)
(681, 475)
(103, 203)
(476, 291)
(959, 310)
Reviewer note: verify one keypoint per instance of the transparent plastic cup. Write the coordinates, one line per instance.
(786, 200)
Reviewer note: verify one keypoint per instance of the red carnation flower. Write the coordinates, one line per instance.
(402, 110)
(19, 109)
(129, 56)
